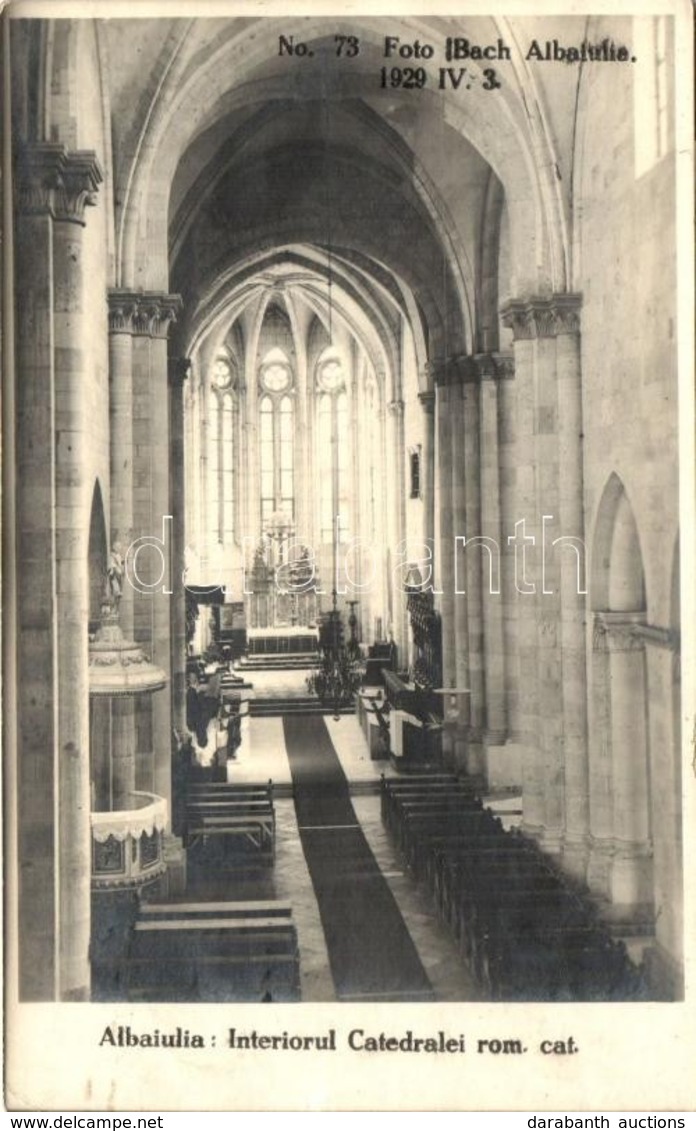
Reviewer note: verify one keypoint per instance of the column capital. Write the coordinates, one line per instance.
(80, 179)
(468, 369)
(427, 400)
(495, 366)
(529, 318)
(457, 369)
(178, 369)
(155, 312)
(566, 310)
(123, 307)
(396, 408)
(38, 176)
(542, 316)
(54, 181)
(618, 632)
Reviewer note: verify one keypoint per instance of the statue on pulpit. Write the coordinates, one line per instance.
(115, 574)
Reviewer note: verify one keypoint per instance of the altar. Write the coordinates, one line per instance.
(291, 640)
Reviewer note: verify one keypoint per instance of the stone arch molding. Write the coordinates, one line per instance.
(513, 137)
(358, 312)
(618, 576)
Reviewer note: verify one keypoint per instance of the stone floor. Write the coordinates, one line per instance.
(263, 756)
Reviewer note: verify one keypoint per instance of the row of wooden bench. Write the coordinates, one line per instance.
(525, 931)
(213, 952)
(223, 809)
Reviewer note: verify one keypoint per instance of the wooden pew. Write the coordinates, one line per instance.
(215, 909)
(392, 803)
(436, 802)
(392, 787)
(223, 788)
(238, 955)
(228, 810)
(524, 929)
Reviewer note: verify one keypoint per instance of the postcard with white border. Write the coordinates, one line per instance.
(348, 556)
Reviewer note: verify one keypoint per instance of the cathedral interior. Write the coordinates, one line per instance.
(342, 582)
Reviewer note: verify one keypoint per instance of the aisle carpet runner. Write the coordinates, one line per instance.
(370, 950)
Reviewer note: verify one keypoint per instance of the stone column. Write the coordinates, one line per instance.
(427, 400)
(547, 574)
(203, 523)
(142, 526)
(492, 370)
(395, 456)
(573, 580)
(301, 453)
(152, 520)
(368, 572)
(383, 594)
(122, 311)
(178, 372)
(459, 600)
(353, 563)
(241, 468)
(664, 678)
(601, 817)
(445, 532)
(163, 310)
(516, 555)
(37, 675)
(476, 753)
(253, 530)
(79, 179)
(631, 874)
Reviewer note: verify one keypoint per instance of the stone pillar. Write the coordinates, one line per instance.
(202, 519)
(368, 572)
(37, 674)
(397, 507)
(549, 497)
(152, 520)
(303, 481)
(253, 531)
(178, 372)
(142, 526)
(601, 817)
(383, 598)
(122, 724)
(460, 666)
(163, 311)
(80, 177)
(354, 563)
(445, 532)
(573, 582)
(547, 574)
(122, 310)
(492, 369)
(427, 400)
(664, 679)
(100, 754)
(631, 873)
(476, 753)
(516, 555)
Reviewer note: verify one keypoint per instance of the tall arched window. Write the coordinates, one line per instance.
(333, 447)
(221, 451)
(276, 436)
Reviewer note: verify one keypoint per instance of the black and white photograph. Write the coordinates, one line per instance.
(348, 554)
